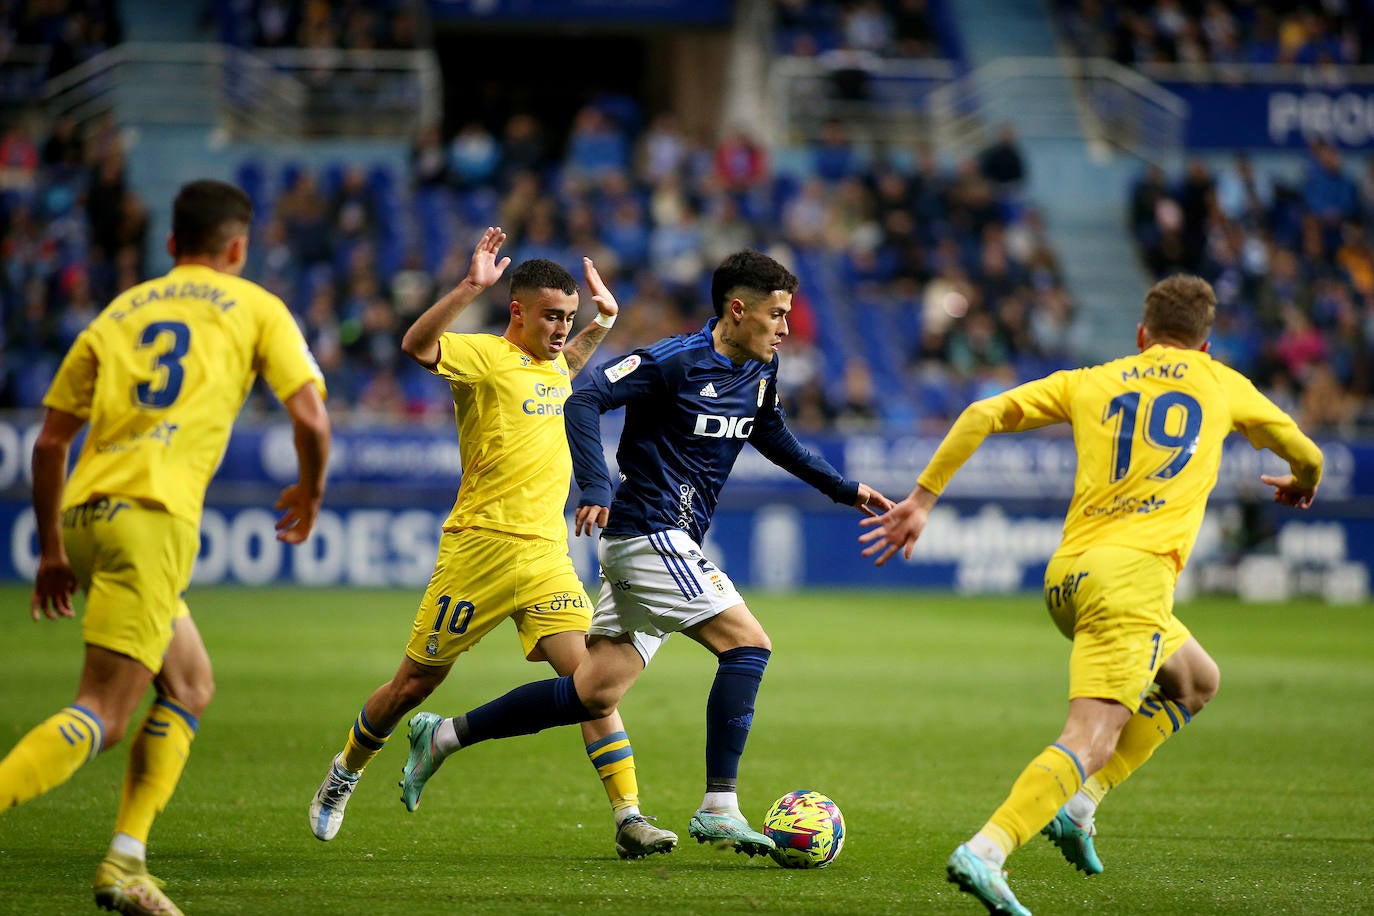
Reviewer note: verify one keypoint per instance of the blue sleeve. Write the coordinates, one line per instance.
(777, 443)
(595, 394)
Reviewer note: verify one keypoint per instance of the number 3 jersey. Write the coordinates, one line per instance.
(1148, 431)
(688, 413)
(162, 373)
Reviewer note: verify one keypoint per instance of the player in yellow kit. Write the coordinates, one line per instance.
(159, 376)
(504, 548)
(1148, 431)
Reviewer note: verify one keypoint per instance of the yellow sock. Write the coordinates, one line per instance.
(156, 759)
(1042, 788)
(364, 742)
(1157, 720)
(49, 754)
(614, 760)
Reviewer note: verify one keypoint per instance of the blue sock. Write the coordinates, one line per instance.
(730, 713)
(525, 710)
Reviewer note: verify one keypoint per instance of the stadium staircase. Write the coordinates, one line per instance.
(1080, 188)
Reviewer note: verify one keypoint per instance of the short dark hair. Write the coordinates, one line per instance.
(749, 270)
(1180, 308)
(540, 273)
(206, 215)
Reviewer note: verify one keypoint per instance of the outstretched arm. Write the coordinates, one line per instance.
(421, 340)
(899, 528)
(580, 349)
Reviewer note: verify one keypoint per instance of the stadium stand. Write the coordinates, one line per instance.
(940, 271)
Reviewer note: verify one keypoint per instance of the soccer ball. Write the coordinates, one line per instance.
(807, 827)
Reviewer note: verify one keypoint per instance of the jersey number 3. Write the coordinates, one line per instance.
(1126, 411)
(162, 391)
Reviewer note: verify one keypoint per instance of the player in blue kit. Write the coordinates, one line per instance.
(691, 402)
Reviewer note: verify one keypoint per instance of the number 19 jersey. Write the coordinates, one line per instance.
(162, 373)
(1148, 431)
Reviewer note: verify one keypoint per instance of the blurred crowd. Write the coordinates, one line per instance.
(1292, 260)
(882, 28)
(913, 270)
(1220, 32)
(355, 25)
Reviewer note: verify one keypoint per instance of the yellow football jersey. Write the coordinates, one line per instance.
(1148, 431)
(162, 373)
(517, 469)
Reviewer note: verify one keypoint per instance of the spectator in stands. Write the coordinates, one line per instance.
(858, 409)
(19, 157)
(276, 23)
(866, 25)
(1003, 163)
(913, 31)
(662, 150)
(474, 156)
(1242, 193)
(523, 147)
(428, 158)
(850, 72)
(1329, 195)
(64, 149)
(834, 157)
(305, 211)
(596, 145)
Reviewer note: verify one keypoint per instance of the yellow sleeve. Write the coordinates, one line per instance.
(73, 387)
(463, 358)
(1029, 406)
(282, 355)
(1265, 424)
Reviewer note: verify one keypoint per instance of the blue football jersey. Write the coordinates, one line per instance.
(688, 412)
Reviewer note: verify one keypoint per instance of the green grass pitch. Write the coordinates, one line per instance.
(913, 710)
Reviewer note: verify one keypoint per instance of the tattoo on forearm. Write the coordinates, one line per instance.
(581, 347)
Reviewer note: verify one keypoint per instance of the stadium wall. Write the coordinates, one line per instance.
(390, 490)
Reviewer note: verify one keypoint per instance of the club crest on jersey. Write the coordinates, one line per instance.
(763, 385)
(432, 645)
(623, 368)
(718, 583)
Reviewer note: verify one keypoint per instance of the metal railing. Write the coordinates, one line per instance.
(253, 93)
(889, 102)
(1094, 99)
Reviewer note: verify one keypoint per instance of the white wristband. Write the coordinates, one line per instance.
(604, 320)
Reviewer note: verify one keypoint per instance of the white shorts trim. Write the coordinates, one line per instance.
(655, 586)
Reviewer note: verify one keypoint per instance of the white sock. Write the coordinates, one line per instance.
(984, 848)
(723, 802)
(126, 845)
(446, 738)
(624, 814)
(1081, 808)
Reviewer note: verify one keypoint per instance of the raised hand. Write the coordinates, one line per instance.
(601, 294)
(485, 268)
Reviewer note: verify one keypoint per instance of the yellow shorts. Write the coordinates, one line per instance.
(481, 578)
(134, 563)
(1117, 605)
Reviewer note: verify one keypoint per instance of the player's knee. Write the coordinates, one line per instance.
(191, 694)
(198, 696)
(599, 699)
(1201, 687)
